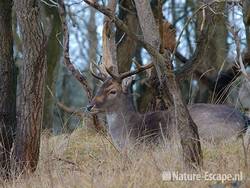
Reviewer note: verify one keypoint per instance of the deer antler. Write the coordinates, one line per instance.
(114, 76)
(138, 70)
(99, 77)
(121, 76)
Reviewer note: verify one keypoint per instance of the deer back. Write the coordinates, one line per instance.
(217, 122)
(214, 122)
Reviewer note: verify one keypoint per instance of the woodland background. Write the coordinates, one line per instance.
(33, 65)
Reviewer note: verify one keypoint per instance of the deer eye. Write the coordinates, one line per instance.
(113, 92)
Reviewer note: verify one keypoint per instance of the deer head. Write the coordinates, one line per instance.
(107, 96)
(114, 90)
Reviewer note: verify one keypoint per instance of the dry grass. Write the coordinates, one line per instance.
(84, 159)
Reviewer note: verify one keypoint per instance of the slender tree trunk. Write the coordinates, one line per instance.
(53, 56)
(152, 91)
(187, 129)
(92, 41)
(215, 55)
(126, 46)
(29, 121)
(7, 87)
(92, 36)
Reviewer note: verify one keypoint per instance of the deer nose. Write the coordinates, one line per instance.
(89, 107)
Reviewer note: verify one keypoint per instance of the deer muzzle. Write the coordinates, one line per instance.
(89, 107)
(95, 104)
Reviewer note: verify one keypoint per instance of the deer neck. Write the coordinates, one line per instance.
(121, 121)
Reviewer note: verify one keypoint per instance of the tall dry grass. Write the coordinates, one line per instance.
(85, 159)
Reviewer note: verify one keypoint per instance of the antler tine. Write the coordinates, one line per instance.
(115, 77)
(93, 73)
(138, 70)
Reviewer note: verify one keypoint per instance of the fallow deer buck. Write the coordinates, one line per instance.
(126, 126)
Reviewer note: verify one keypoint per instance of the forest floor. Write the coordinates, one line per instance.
(86, 159)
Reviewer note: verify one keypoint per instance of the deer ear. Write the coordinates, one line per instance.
(127, 84)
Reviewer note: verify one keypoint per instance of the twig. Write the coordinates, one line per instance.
(71, 110)
(187, 23)
(76, 166)
(66, 161)
(48, 4)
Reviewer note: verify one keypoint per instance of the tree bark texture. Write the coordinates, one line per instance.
(126, 46)
(29, 121)
(151, 35)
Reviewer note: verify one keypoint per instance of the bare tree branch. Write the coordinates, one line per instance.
(190, 64)
(76, 73)
(123, 27)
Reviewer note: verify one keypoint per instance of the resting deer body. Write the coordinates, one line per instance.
(126, 126)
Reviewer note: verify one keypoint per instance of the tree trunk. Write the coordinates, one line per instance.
(29, 121)
(126, 47)
(7, 87)
(92, 41)
(92, 36)
(151, 34)
(215, 55)
(53, 56)
(186, 127)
